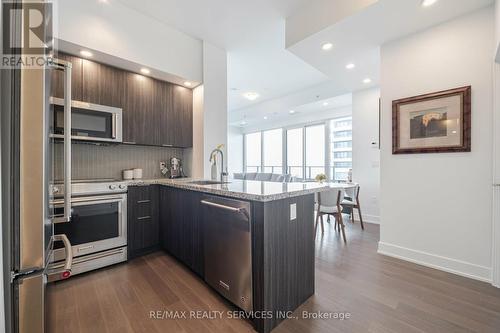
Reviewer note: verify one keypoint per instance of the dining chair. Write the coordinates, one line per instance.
(353, 203)
(330, 203)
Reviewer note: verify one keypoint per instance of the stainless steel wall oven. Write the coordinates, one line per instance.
(97, 229)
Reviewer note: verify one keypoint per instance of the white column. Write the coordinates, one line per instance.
(209, 113)
(214, 102)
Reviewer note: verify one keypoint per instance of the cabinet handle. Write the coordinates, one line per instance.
(144, 218)
(143, 201)
(165, 145)
(129, 142)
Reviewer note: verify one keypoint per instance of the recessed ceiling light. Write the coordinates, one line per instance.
(103, 1)
(86, 53)
(291, 111)
(188, 84)
(145, 71)
(327, 46)
(252, 96)
(428, 3)
(265, 117)
(350, 66)
(325, 103)
(367, 80)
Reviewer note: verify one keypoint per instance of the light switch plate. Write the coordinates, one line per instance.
(293, 212)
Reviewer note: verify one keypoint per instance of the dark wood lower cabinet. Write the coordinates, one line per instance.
(143, 220)
(181, 226)
(282, 258)
(282, 249)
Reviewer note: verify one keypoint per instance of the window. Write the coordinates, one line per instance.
(341, 155)
(343, 134)
(253, 152)
(310, 150)
(342, 164)
(315, 150)
(295, 152)
(273, 155)
(341, 148)
(342, 144)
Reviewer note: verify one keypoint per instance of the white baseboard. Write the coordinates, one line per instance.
(374, 219)
(449, 265)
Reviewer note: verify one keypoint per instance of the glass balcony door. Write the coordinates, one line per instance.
(273, 151)
(295, 152)
(253, 152)
(315, 151)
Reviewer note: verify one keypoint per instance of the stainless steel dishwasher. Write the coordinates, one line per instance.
(228, 249)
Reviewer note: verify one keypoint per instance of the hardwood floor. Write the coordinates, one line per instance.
(380, 294)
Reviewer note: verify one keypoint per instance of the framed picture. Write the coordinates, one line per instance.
(439, 122)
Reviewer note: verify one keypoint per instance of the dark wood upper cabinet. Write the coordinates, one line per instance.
(163, 108)
(182, 105)
(174, 109)
(155, 113)
(140, 125)
(102, 84)
(57, 79)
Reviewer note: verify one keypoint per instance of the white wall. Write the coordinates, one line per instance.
(497, 29)
(122, 32)
(435, 209)
(234, 150)
(366, 156)
(496, 154)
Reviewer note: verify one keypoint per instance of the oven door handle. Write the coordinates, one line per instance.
(68, 261)
(90, 200)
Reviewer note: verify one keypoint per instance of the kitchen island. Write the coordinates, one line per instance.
(281, 223)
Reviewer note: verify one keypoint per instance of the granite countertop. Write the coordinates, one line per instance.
(241, 189)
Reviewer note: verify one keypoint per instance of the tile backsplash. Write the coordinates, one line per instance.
(107, 161)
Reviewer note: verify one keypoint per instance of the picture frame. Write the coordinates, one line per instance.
(438, 122)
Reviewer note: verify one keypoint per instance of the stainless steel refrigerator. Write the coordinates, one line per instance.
(27, 221)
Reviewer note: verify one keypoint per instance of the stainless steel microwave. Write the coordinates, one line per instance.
(89, 122)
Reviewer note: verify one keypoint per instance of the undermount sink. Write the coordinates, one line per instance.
(206, 182)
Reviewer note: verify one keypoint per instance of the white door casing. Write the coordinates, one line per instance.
(496, 178)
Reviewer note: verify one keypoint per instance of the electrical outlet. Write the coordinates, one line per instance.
(293, 212)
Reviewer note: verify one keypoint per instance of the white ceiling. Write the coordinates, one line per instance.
(253, 34)
(357, 38)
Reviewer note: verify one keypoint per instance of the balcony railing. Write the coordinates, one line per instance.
(297, 171)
